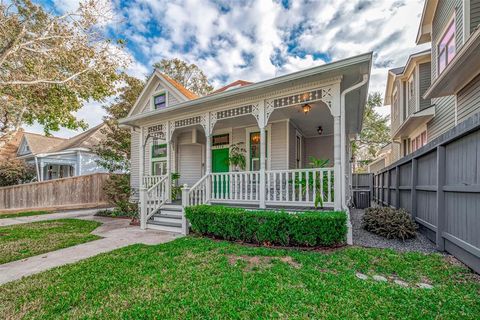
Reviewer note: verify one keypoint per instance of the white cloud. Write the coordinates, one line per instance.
(258, 39)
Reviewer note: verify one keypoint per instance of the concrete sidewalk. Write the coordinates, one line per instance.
(49, 216)
(116, 233)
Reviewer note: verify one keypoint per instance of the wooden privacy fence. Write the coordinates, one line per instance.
(67, 193)
(439, 185)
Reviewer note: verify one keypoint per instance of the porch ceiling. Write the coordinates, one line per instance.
(308, 123)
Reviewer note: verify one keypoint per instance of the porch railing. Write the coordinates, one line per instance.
(149, 181)
(235, 186)
(309, 187)
(153, 198)
(198, 193)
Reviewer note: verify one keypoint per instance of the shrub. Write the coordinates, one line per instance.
(390, 223)
(269, 227)
(15, 171)
(117, 189)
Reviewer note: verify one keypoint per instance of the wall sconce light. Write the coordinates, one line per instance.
(320, 130)
(306, 108)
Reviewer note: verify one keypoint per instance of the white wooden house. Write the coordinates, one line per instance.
(280, 122)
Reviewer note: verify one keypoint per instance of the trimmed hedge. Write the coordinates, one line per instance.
(269, 227)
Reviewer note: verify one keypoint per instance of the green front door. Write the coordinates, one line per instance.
(220, 164)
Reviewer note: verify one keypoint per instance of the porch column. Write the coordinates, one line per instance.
(262, 167)
(169, 169)
(337, 165)
(208, 164)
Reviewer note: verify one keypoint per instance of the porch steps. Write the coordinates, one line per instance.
(168, 218)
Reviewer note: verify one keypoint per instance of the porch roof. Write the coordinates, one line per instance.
(330, 70)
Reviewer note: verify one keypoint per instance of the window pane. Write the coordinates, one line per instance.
(160, 101)
(442, 62)
(221, 139)
(451, 51)
(159, 151)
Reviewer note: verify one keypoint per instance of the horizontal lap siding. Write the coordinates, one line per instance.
(320, 148)
(468, 100)
(279, 146)
(444, 118)
(474, 14)
(425, 81)
(135, 159)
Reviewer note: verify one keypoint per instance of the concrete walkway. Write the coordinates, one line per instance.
(49, 216)
(116, 233)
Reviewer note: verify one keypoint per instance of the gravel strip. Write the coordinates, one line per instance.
(364, 238)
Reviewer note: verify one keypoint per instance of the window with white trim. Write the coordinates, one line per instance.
(419, 141)
(160, 101)
(395, 105)
(446, 48)
(159, 159)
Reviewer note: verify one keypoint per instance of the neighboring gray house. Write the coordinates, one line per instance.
(280, 122)
(437, 88)
(410, 112)
(56, 158)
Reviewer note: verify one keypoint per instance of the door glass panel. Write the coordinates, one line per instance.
(159, 168)
(255, 150)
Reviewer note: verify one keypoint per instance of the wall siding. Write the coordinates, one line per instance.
(474, 14)
(425, 81)
(135, 159)
(468, 100)
(444, 117)
(320, 148)
(291, 153)
(279, 146)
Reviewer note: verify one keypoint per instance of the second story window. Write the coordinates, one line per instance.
(160, 101)
(446, 47)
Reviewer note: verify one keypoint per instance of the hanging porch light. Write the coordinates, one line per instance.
(306, 108)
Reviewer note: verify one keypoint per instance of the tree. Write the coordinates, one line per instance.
(15, 171)
(188, 75)
(50, 64)
(375, 133)
(114, 149)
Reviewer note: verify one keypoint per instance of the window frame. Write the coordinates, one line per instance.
(155, 159)
(451, 24)
(157, 94)
(411, 87)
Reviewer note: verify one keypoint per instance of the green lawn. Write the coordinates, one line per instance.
(23, 214)
(194, 278)
(29, 239)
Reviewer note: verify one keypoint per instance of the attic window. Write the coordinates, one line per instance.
(160, 101)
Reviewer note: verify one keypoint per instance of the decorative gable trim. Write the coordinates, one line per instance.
(146, 96)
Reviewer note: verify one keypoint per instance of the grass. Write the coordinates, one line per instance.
(23, 214)
(196, 278)
(30, 239)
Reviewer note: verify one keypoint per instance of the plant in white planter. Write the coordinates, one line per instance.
(237, 156)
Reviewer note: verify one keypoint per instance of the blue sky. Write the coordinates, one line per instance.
(256, 40)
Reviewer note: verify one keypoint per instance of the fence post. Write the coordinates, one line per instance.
(143, 207)
(440, 197)
(389, 181)
(397, 187)
(185, 203)
(413, 191)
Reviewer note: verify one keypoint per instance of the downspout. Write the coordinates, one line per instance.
(343, 152)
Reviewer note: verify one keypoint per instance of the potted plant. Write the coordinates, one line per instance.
(237, 156)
